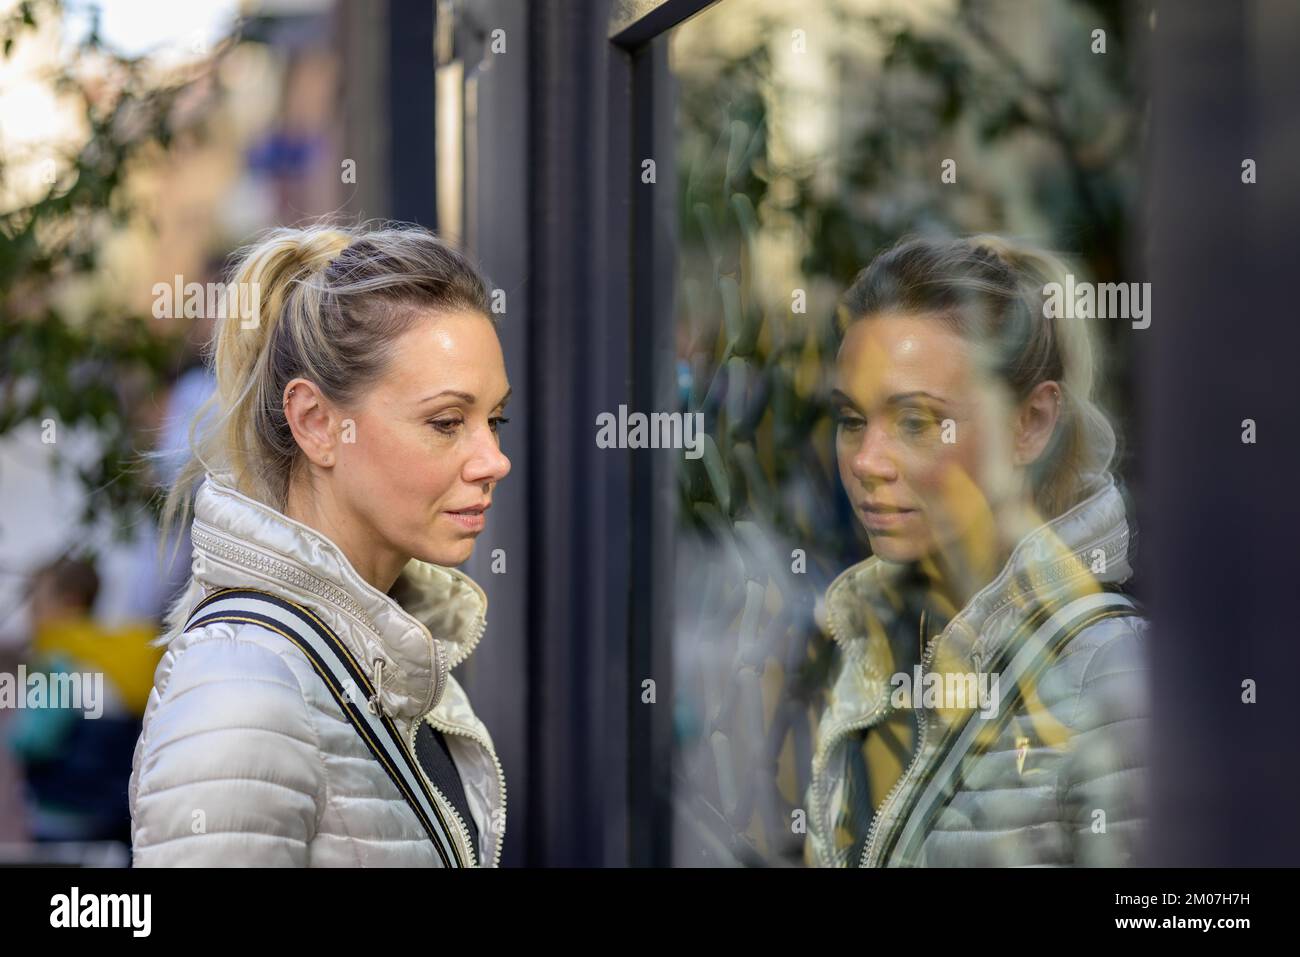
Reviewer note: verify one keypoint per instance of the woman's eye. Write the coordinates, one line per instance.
(915, 424)
(497, 421)
(446, 426)
(850, 423)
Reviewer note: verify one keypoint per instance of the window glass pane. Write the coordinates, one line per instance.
(810, 138)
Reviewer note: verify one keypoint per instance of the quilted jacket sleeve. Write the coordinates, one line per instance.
(227, 770)
(1105, 775)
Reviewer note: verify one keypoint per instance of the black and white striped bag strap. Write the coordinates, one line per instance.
(348, 684)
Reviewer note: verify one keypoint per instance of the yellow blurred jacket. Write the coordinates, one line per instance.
(123, 654)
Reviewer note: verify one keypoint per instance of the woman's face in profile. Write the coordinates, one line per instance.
(917, 440)
(426, 454)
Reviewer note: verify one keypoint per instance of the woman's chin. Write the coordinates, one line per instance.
(449, 554)
(894, 549)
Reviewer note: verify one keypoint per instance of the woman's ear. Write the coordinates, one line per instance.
(1036, 420)
(311, 419)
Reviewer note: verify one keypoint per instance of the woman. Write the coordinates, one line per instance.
(303, 714)
(989, 701)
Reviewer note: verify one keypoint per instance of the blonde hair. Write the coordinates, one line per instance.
(328, 303)
(992, 291)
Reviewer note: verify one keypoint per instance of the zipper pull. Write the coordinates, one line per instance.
(376, 704)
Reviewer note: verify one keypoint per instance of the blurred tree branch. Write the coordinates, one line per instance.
(90, 369)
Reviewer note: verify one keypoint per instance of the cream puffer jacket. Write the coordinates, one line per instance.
(1064, 783)
(246, 759)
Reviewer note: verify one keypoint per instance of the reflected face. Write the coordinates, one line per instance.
(420, 474)
(917, 439)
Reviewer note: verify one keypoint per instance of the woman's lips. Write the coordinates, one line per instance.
(470, 519)
(883, 518)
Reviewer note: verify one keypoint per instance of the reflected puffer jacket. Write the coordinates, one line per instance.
(246, 759)
(1063, 783)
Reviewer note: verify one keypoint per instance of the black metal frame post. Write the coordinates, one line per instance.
(601, 288)
(410, 72)
(494, 180)
(1222, 515)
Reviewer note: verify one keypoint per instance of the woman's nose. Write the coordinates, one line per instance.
(488, 463)
(873, 461)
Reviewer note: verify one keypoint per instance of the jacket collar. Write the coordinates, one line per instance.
(1082, 548)
(428, 624)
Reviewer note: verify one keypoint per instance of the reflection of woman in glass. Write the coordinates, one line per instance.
(989, 701)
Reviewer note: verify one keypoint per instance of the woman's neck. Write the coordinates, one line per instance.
(380, 567)
(958, 572)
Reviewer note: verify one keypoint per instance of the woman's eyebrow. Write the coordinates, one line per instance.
(464, 396)
(841, 398)
(901, 397)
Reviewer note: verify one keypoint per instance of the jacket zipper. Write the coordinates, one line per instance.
(832, 739)
(475, 636)
(444, 667)
(875, 831)
(479, 629)
(461, 828)
(501, 783)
